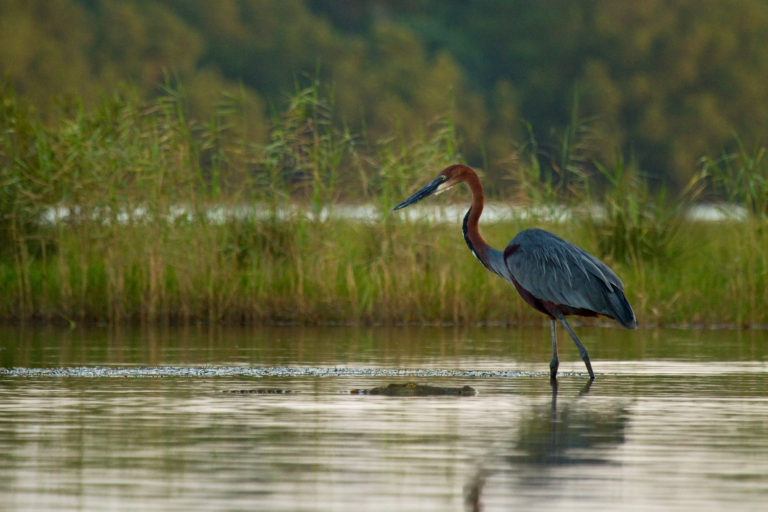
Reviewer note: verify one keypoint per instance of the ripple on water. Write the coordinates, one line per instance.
(249, 371)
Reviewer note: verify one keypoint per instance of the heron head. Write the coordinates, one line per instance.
(448, 177)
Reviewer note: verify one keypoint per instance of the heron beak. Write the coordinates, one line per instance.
(432, 188)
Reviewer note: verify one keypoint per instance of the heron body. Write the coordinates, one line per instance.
(553, 275)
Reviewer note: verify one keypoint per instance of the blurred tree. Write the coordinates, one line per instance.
(677, 79)
(667, 81)
(140, 42)
(44, 47)
(383, 81)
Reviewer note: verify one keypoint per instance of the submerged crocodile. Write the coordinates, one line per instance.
(414, 389)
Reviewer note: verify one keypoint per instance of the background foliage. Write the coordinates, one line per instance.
(132, 211)
(182, 160)
(669, 81)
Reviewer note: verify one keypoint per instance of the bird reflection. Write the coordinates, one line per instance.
(560, 433)
(568, 433)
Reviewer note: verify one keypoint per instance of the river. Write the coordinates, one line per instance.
(236, 418)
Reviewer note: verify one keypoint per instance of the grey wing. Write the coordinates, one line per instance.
(560, 272)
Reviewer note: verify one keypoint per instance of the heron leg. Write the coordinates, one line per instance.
(582, 349)
(555, 362)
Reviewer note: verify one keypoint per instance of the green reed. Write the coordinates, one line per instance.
(159, 218)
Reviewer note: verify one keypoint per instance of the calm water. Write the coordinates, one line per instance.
(138, 420)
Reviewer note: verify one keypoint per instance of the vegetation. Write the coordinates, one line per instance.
(133, 211)
(668, 81)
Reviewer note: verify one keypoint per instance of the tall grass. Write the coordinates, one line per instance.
(134, 212)
(741, 177)
(634, 224)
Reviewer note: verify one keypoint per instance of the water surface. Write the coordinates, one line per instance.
(140, 420)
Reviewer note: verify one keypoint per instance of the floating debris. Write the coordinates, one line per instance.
(414, 389)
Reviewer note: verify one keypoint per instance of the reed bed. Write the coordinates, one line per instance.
(133, 213)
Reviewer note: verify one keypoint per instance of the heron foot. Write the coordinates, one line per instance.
(554, 364)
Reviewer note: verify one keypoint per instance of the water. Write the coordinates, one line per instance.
(139, 420)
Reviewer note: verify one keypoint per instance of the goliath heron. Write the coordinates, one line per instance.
(552, 275)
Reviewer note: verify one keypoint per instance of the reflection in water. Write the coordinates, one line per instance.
(568, 433)
(571, 432)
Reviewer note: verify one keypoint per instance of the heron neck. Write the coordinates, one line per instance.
(472, 235)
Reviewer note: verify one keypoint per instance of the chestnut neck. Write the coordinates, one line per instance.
(472, 236)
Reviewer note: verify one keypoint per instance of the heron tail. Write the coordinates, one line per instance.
(621, 309)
